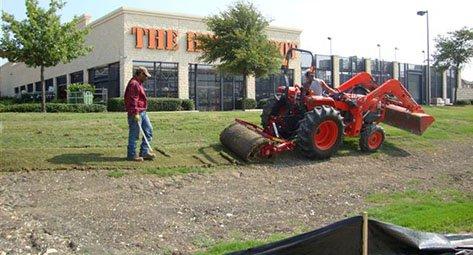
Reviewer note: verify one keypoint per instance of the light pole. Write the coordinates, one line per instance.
(395, 53)
(380, 68)
(330, 40)
(379, 51)
(426, 13)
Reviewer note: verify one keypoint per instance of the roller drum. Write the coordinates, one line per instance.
(242, 141)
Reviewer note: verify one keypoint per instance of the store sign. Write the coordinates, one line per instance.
(192, 44)
(284, 47)
(160, 39)
(166, 39)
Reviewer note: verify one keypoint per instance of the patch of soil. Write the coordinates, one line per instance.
(76, 212)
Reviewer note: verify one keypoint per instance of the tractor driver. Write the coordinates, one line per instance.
(314, 85)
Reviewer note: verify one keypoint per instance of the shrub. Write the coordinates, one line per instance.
(76, 87)
(28, 98)
(7, 100)
(188, 104)
(246, 103)
(59, 101)
(262, 103)
(23, 108)
(154, 104)
(2, 108)
(97, 107)
(463, 102)
(59, 108)
(33, 97)
(116, 105)
(164, 104)
(98, 100)
(53, 107)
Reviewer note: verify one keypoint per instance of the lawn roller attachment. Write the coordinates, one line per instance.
(249, 142)
(400, 117)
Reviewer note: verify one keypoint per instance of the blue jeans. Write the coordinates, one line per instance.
(134, 133)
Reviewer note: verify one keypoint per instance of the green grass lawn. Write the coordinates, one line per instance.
(36, 141)
(446, 211)
(237, 245)
(98, 140)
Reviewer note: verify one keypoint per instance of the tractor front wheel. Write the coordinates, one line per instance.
(320, 133)
(371, 138)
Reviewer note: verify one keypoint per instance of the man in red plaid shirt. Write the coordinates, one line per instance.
(136, 104)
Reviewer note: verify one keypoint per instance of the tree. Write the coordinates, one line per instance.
(41, 40)
(454, 50)
(239, 43)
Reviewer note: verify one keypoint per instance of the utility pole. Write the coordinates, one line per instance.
(330, 41)
(426, 13)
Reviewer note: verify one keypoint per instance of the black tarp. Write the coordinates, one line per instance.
(344, 237)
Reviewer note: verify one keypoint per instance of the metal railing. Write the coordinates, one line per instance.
(101, 96)
(34, 96)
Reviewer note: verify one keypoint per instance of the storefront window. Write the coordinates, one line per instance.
(37, 86)
(106, 78)
(402, 74)
(212, 91)
(61, 86)
(451, 81)
(381, 70)
(414, 80)
(349, 67)
(323, 64)
(435, 83)
(266, 87)
(49, 85)
(164, 80)
(77, 77)
(29, 88)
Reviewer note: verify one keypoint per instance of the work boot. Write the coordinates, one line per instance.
(136, 159)
(148, 156)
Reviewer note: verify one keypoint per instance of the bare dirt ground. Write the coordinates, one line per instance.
(87, 212)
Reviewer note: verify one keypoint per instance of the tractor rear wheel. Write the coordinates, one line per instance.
(320, 133)
(371, 138)
(285, 118)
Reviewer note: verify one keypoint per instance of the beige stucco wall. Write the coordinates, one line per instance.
(106, 37)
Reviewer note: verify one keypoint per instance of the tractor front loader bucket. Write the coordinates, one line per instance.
(243, 141)
(413, 122)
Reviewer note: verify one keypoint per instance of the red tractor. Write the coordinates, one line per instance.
(316, 124)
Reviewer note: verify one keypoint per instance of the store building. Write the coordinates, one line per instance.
(164, 43)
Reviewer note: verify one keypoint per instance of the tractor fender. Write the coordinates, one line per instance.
(312, 101)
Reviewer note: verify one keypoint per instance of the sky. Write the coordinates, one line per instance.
(356, 27)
